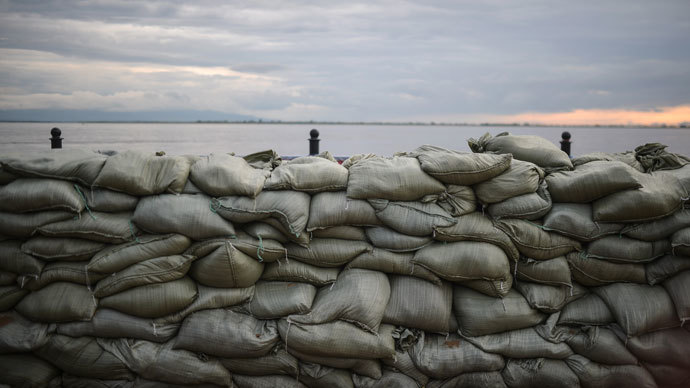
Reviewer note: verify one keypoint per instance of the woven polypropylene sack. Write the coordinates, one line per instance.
(389, 239)
(521, 343)
(116, 258)
(153, 300)
(464, 260)
(521, 178)
(419, 304)
(361, 366)
(678, 288)
(538, 372)
(592, 181)
(74, 165)
(279, 299)
(32, 195)
(335, 209)
(532, 206)
(113, 228)
(555, 272)
(388, 379)
(10, 296)
(659, 229)
(535, 242)
(392, 263)
(627, 250)
(575, 220)
(600, 344)
(25, 224)
(296, 271)
(107, 323)
(530, 148)
(327, 252)
(543, 297)
(103, 200)
(412, 218)
(277, 362)
(61, 271)
(664, 267)
(592, 374)
(224, 265)
(588, 310)
(460, 168)
(308, 173)
(592, 272)
(680, 242)
(58, 249)
(20, 335)
(59, 302)
(223, 174)
(477, 227)
(209, 298)
(26, 370)
(16, 261)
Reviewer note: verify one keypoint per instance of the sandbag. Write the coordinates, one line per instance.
(626, 250)
(593, 375)
(143, 173)
(532, 206)
(265, 231)
(277, 362)
(296, 271)
(19, 335)
(10, 296)
(327, 252)
(664, 267)
(341, 232)
(535, 242)
(74, 165)
(588, 310)
(460, 168)
(186, 214)
(477, 227)
(25, 224)
(361, 366)
(392, 263)
(263, 250)
(403, 363)
(591, 181)
(388, 239)
(359, 296)
(627, 157)
(669, 376)
(521, 178)
(58, 302)
(419, 304)
(456, 200)
(209, 298)
(223, 174)
(601, 345)
(108, 323)
(442, 357)
(538, 372)
(575, 220)
(479, 314)
(33, 195)
(224, 333)
(521, 343)
(267, 381)
(220, 264)
(593, 272)
(388, 379)
(474, 379)
(103, 200)
(659, 229)
(16, 261)
(310, 174)
(530, 148)
(116, 258)
(319, 376)
(638, 308)
(543, 297)
(678, 288)
(668, 347)
(492, 288)
(289, 207)
(153, 300)
(335, 209)
(680, 242)
(396, 179)
(56, 249)
(274, 300)
(7, 278)
(412, 218)
(61, 271)
(114, 228)
(555, 272)
(26, 370)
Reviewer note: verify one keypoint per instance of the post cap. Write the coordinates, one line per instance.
(314, 134)
(55, 132)
(565, 135)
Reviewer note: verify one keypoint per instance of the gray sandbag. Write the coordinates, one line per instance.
(119, 257)
(337, 339)
(25, 224)
(83, 357)
(601, 345)
(389, 239)
(442, 357)
(664, 267)
(477, 227)
(668, 347)
(538, 372)
(669, 376)
(412, 218)
(266, 381)
(456, 200)
(659, 229)
(678, 288)
(359, 296)
(534, 242)
(83, 382)
(532, 206)
(587, 310)
(58, 302)
(289, 207)
(209, 298)
(296, 271)
(521, 178)
(223, 174)
(20, 335)
(277, 362)
(335, 209)
(344, 232)
(143, 173)
(543, 297)
(10, 296)
(61, 271)
(593, 375)
(319, 376)
(6, 176)
(460, 168)
(265, 231)
(388, 379)
(680, 242)
(299, 237)
(591, 181)
(479, 314)
(521, 343)
(56, 248)
(74, 165)
(266, 160)
(7, 278)
(107, 323)
(26, 370)
(15, 261)
(593, 272)
(163, 363)
(660, 196)
(492, 288)
(33, 195)
(225, 333)
(327, 252)
(187, 214)
(654, 157)
(158, 270)
(274, 300)
(575, 220)
(397, 179)
(392, 263)
(402, 362)
(361, 366)
(153, 300)
(103, 200)
(683, 175)
(464, 260)
(554, 272)
(474, 379)
(310, 174)
(627, 157)
(419, 304)
(638, 308)
(220, 264)
(113, 228)
(627, 250)
(530, 148)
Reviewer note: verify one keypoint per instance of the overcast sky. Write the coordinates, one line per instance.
(444, 61)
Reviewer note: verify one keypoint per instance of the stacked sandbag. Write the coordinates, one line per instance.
(509, 266)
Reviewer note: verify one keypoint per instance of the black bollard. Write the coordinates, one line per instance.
(55, 140)
(314, 142)
(565, 142)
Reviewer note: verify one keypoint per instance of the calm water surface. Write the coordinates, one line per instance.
(291, 139)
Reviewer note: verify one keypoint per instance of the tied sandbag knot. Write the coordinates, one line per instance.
(260, 249)
(131, 230)
(83, 198)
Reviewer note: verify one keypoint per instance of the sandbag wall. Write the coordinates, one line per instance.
(513, 266)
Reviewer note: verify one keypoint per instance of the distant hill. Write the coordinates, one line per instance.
(59, 115)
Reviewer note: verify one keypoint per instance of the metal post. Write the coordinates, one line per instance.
(55, 140)
(314, 142)
(565, 142)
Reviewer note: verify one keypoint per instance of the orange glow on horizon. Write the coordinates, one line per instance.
(673, 116)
